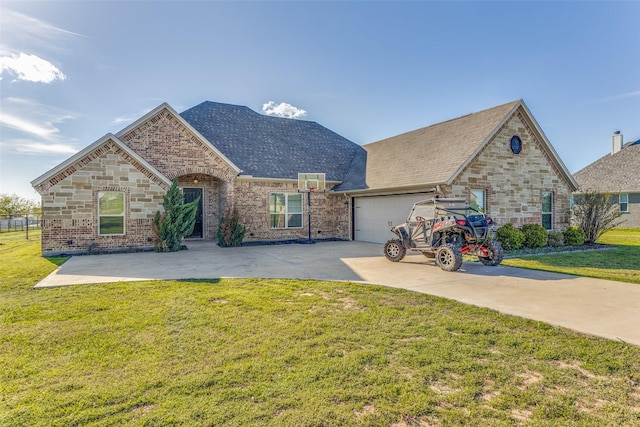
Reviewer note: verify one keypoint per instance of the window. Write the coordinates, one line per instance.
(285, 210)
(110, 213)
(477, 200)
(623, 202)
(547, 211)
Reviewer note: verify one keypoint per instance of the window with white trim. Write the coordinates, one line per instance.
(623, 202)
(285, 210)
(547, 210)
(111, 213)
(477, 200)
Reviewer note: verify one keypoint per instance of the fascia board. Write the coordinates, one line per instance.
(547, 143)
(422, 188)
(82, 153)
(183, 122)
(71, 160)
(480, 147)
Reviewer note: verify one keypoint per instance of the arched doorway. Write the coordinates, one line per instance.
(209, 190)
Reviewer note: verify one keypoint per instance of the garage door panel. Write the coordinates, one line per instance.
(374, 216)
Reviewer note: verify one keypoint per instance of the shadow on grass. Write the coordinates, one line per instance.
(211, 281)
(57, 261)
(620, 258)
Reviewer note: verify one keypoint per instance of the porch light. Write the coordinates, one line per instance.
(195, 180)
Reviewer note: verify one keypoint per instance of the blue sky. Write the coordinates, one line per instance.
(74, 71)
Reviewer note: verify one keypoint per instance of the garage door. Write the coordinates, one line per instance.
(374, 216)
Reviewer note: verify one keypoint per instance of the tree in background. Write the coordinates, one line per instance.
(12, 204)
(176, 222)
(595, 213)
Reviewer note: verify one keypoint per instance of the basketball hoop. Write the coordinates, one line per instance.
(311, 182)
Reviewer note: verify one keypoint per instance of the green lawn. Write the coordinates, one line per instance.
(621, 263)
(289, 353)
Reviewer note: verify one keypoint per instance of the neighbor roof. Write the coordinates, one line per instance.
(614, 173)
(437, 154)
(272, 147)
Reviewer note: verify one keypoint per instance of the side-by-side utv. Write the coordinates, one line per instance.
(445, 229)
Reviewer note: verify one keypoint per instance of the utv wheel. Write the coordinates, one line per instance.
(393, 250)
(496, 254)
(449, 257)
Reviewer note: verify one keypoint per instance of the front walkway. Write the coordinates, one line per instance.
(598, 307)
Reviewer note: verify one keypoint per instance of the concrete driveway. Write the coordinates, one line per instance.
(598, 307)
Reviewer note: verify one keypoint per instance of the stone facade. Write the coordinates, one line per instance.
(514, 183)
(70, 198)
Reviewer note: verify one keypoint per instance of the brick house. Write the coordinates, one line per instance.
(617, 174)
(498, 158)
(105, 196)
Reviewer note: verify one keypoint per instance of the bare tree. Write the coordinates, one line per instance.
(595, 213)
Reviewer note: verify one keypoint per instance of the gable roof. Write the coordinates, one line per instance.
(615, 173)
(437, 154)
(183, 122)
(272, 147)
(84, 156)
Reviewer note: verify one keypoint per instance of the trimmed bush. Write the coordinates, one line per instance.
(535, 236)
(555, 239)
(574, 236)
(510, 237)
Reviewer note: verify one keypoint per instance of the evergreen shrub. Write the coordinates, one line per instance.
(231, 231)
(574, 236)
(176, 222)
(555, 239)
(510, 237)
(535, 236)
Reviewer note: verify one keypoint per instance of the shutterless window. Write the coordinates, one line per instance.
(110, 213)
(477, 200)
(547, 211)
(623, 202)
(285, 210)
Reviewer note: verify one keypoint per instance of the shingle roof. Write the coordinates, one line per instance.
(615, 173)
(272, 147)
(432, 155)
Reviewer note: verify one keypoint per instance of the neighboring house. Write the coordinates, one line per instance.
(618, 174)
(104, 197)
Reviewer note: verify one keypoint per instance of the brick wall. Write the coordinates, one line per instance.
(70, 200)
(513, 183)
(329, 214)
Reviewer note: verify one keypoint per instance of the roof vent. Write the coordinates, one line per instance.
(616, 142)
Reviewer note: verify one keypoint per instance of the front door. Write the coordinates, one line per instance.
(190, 194)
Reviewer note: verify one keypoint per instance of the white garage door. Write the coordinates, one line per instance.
(374, 216)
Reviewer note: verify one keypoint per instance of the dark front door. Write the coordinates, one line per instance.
(190, 194)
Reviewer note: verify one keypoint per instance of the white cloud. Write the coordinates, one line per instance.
(29, 147)
(30, 68)
(38, 122)
(283, 109)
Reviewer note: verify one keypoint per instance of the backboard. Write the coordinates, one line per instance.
(311, 183)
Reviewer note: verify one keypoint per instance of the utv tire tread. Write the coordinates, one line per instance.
(497, 254)
(449, 257)
(394, 250)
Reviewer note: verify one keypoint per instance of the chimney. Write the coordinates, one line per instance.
(616, 142)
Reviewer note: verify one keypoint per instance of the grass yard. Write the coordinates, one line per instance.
(621, 264)
(289, 353)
